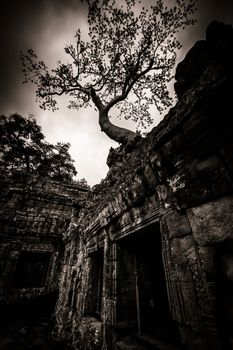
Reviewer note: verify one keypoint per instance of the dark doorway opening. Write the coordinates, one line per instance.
(143, 303)
(95, 285)
(31, 270)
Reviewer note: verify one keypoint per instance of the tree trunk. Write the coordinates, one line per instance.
(116, 133)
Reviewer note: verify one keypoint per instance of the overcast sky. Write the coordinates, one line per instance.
(47, 26)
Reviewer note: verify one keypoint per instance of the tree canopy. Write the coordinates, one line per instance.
(126, 62)
(23, 150)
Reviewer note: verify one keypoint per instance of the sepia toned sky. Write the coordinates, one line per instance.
(47, 26)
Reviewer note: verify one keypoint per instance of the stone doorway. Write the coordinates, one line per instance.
(143, 307)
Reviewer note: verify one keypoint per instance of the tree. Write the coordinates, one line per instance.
(23, 150)
(126, 63)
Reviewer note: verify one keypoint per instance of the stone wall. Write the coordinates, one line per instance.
(34, 215)
(171, 196)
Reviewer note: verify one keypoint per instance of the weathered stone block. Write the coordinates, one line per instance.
(164, 196)
(157, 164)
(172, 149)
(212, 222)
(202, 186)
(207, 261)
(136, 192)
(150, 177)
(193, 166)
(183, 249)
(178, 224)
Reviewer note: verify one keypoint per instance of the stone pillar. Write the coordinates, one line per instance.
(191, 304)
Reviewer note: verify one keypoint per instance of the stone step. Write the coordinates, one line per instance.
(129, 344)
(151, 343)
(144, 342)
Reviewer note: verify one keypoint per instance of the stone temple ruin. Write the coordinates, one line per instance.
(144, 260)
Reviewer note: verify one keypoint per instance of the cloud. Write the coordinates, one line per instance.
(47, 26)
(32, 24)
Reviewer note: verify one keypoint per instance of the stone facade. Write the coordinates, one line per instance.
(34, 214)
(148, 253)
(153, 256)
